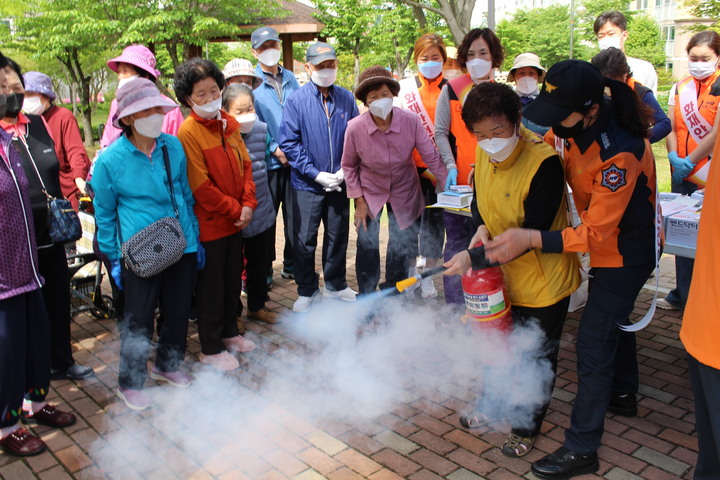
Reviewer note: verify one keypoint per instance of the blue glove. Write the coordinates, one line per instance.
(681, 167)
(200, 256)
(451, 178)
(116, 273)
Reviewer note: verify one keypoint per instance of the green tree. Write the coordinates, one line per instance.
(704, 9)
(349, 21)
(75, 33)
(543, 31)
(645, 40)
(183, 27)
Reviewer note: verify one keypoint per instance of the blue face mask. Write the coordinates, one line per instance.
(430, 70)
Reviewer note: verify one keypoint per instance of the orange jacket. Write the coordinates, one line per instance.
(465, 142)
(700, 331)
(613, 183)
(707, 100)
(219, 172)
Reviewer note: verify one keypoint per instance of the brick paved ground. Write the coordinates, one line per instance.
(288, 413)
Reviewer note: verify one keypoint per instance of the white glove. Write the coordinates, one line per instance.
(340, 175)
(326, 179)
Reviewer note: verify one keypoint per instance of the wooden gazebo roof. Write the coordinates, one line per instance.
(299, 25)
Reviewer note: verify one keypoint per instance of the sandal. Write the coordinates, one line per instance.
(474, 421)
(517, 446)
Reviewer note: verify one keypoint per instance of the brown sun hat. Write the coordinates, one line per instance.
(371, 78)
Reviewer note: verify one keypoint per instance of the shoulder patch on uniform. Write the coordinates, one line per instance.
(613, 177)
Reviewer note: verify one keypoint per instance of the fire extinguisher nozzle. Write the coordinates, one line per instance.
(402, 285)
(432, 271)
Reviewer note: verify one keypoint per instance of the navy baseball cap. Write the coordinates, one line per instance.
(569, 86)
(262, 35)
(319, 52)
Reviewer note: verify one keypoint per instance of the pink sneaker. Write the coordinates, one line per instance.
(135, 399)
(176, 379)
(222, 361)
(239, 344)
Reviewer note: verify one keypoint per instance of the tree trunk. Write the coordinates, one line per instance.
(356, 54)
(85, 107)
(419, 15)
(172, 51)
(457, 14)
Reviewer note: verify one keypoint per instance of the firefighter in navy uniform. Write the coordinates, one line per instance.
(611, 169)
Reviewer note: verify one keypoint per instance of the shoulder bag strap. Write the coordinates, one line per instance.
(170, 181)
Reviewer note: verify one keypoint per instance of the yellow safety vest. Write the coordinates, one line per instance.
(534, 279)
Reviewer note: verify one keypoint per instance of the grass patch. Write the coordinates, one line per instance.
(662, 166)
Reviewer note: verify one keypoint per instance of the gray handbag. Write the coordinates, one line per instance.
(160, 244)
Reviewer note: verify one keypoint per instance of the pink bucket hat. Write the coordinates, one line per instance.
(138, 56)
(138, 95)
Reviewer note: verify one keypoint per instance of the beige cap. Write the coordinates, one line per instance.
(526, 60)
(240, 66)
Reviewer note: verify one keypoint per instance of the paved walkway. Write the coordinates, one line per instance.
(351, 391)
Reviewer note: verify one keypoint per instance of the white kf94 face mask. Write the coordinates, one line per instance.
(269, 57)
(246, 121)
(208, 111)
(324, 77)
(381, 107)
(150, 126)
(499, 149)
(478, 68)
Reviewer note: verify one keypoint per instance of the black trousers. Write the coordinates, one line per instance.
(56, 295)
(257, 252)
(402, 248)
(281, 193)
(24, 354)
(173, 289)
(551, 320)
(310, 208)
(606, 355)
(705, 381)
(432, 223)
(218, 292)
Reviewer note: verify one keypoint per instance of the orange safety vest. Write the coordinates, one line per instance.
(700, 331)
(429, 93)
(465, 142)
(707, 103)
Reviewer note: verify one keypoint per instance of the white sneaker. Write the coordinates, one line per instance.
(427, 288)
(302, 304)
(347, 294)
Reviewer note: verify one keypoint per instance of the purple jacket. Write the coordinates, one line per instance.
(19, 272)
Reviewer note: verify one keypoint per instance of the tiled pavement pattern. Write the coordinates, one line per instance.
(229, 428)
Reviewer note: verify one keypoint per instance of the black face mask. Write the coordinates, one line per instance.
(3, 105)
(569, 132)
(14, 105)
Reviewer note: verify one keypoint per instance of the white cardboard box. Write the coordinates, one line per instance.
(682, 228)
(454, 199)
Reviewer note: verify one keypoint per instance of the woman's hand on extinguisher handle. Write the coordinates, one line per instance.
(482, 235)
(458, 264)
(509, 245)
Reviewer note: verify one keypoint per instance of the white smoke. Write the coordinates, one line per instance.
(341, 362)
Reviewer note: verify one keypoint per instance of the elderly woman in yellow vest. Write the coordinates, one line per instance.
(519, 182)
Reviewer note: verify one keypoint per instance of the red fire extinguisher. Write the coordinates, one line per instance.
(485, 299)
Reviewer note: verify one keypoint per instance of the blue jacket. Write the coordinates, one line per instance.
(312, 142)
(269, 107)
(131, 192)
